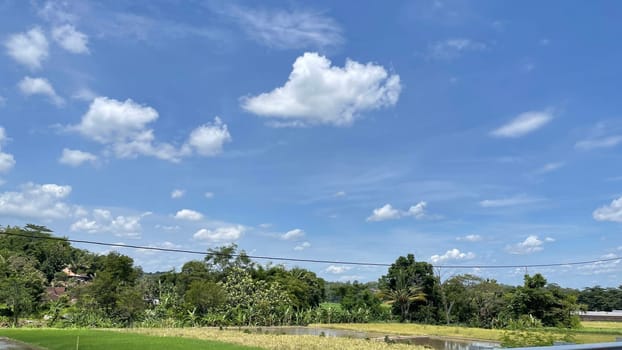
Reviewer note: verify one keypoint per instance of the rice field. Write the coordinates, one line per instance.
(592, 332)
(273, 341)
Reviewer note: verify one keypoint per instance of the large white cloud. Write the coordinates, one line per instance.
(288, 29)
(71, 39)
(523, 124)
(40, 86)
(7, 161)
(188, 214)
(123, 126)
(29, 48)
(318, 93)
(102, 221)
(221, 234)
(452, 254)
(45, 201)
(74, 157)
(611, 212)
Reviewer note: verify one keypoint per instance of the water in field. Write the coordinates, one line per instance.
(6, 344)
(434, 343)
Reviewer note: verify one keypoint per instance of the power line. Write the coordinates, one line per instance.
(260, 257)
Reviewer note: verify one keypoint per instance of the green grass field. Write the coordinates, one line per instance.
(66, 339)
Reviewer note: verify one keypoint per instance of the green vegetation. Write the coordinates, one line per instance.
(52, 284)
(56, 339)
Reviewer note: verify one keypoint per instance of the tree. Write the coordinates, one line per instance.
(408, 272)
(550, 304)
(402, 294)
(20, 285)
(220, 260)
(204, 296)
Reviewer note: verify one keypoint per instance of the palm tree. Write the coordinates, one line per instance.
(402, 294)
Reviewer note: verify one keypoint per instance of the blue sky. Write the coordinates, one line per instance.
(466, 133)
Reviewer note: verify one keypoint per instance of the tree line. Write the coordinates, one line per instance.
(49, 281)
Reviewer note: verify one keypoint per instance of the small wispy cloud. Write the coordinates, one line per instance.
(294, 234)
(177, 193)
(549, 167)
(453, 48)
(599, 142)
(509, 201)
(282, 29)
(523, 124)
(470, 238)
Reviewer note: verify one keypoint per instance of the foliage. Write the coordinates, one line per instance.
(550, 304)
(528, 338)
(601, 299)
(411, 280)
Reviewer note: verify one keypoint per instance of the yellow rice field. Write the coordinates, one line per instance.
(274, 341)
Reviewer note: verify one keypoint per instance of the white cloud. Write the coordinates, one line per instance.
(288, 29)
(208, 139)
(340, 194)
(70, 39)
(531, 244)
(29, 48)
(550, 167)
(187, 214)
(102, 221)
(209, 194)
(109, 120)
(602, 142)
(508, 202)
(318, 93)
(84, 94)
(7, 161)
(74, 157)
(2, 101)
(601, 267)
(177, 193)
(302, 246)
(221, 234)
(418, 210)
(386, 212)
(337, 269)
(40, 86)
(611, 212)
(123, 127)
(470, 238)
(36, 201)
(293, 234)
(453, 48)
(452, 254)
(524, 124)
